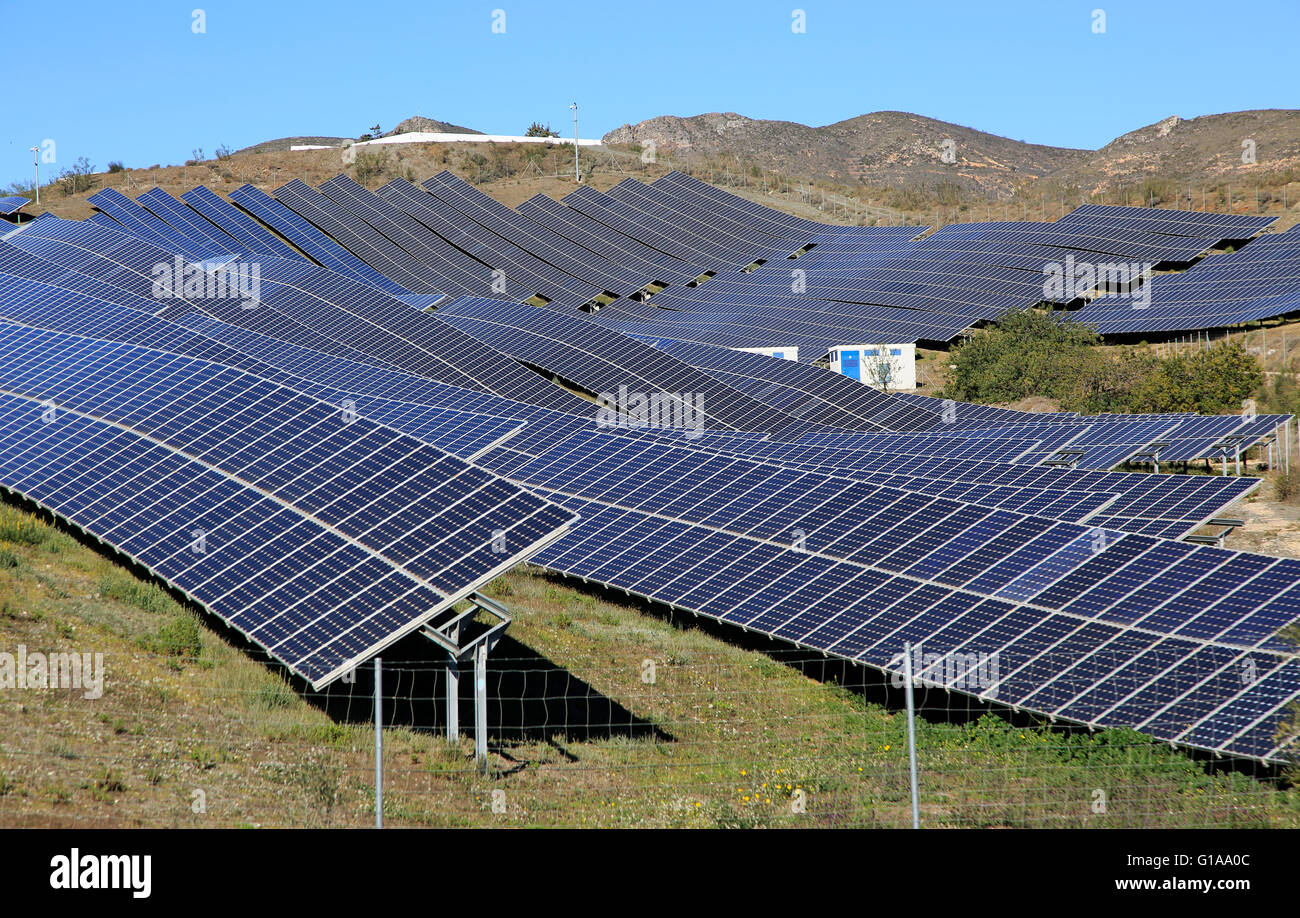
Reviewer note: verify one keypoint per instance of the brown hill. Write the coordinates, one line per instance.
(415, 123)
(418, 123)
(882, 149)
(1193, 151)
(902, 150)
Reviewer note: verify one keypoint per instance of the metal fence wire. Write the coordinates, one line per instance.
(663, 726)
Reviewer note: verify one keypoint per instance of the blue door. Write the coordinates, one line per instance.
(849, 365)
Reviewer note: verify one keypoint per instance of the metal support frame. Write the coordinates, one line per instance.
(465, 637)
(453, 690)
(1150, 454)
(1065, 458)
(1218, 538)
(1230, 442)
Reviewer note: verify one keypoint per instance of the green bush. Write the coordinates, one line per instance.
(22, 528)
(1033, 352)
(178, 637)
(1287, 486)
(1024, 353)
(121, 586)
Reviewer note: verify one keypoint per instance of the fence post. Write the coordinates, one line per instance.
(379, 743)
(911, 734)
(480, 706)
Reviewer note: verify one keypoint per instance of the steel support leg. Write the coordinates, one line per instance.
(453, 699)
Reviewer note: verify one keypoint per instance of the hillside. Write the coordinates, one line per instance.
(416, 123)
(898, 149)
(429, 125)
(881, 148)
(1195, 151)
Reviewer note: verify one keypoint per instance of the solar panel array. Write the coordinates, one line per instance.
(380, 423)
(11, 204)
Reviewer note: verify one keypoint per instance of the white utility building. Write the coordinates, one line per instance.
(883, 366)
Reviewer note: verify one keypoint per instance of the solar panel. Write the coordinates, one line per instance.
(359, 238)
(552, 248)
(803, 505)
(237, 224)
(578, 227)
(522, 273)
(606, 363)
(1003, 584)
(322, 538)
(305, 305)
(12, 203)
(316, 244)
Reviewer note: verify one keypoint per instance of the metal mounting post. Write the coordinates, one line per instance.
(465, 636)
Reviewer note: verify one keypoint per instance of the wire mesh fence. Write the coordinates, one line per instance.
(645, 736)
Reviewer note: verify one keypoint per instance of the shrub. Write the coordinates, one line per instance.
(1032, 352)
(179, 638)
(370, 165)
(22, 528)
(1024, 353)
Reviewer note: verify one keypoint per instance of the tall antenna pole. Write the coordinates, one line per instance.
(577, 176)
(36, 163)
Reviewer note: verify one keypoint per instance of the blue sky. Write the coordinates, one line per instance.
(134, 82)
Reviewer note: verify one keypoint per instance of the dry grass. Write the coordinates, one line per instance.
(728, 733)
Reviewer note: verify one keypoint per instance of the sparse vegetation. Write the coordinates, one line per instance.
(1035, 353)
(742, 734)
(78, 177)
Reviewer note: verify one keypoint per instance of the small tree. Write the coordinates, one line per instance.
(883, 369)
(370, 165)
(1024, 353)
(79, 177)
(537, 129)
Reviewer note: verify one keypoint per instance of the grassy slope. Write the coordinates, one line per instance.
(737, 731)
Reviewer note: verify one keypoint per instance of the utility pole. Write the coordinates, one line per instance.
(36, 163)
(577, 176)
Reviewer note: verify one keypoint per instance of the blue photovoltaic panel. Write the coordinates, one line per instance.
(318, 246)
(606, 363)
(840, 518)
(1003, 580)
(237, 224)
(12, 204)
(401, 530)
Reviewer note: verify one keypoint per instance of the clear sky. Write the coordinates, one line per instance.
(135, 81)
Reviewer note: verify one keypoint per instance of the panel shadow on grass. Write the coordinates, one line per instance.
(529, 696)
